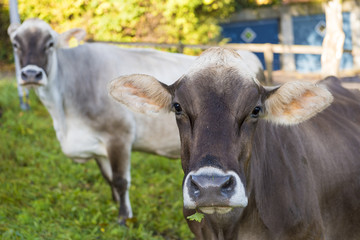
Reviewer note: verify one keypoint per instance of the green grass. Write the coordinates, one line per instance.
(44, 195)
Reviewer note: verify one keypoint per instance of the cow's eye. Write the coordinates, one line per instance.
(15, 46)
(50, 45)
(256, 112)
(177, 108)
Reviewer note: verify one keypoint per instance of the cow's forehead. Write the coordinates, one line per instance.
(221, 90)
(34, 26)
(221, 60)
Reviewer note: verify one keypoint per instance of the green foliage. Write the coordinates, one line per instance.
(171, 21)
(196, 217)
(5, 44)
(44, 195)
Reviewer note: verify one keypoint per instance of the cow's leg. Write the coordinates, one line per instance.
(119, 155)
(106, 171)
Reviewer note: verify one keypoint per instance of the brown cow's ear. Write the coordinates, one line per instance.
(295, 102)
(64, 38)
(142, 93)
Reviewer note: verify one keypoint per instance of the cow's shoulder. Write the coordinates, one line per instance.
(346, 101)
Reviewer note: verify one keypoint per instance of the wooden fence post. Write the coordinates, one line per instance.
(269, 58)
(180, 47)
(287, 38)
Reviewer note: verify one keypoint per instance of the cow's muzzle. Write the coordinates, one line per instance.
(212, 190)
(32, 75)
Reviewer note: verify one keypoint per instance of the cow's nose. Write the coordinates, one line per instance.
(211, 190)
(31, 75)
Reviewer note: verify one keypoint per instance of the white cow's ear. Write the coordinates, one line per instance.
(142, 93)
(64, 38)
(295, 102)
(12, 28)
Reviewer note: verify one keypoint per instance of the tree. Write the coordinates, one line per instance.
(161, 21)
(171, 21)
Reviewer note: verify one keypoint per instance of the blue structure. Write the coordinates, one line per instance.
(264, 31)
(308, 30)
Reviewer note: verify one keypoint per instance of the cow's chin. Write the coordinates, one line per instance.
(222, 215)
(32, 84)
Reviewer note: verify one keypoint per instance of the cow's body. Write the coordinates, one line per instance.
(253, 162)
(85, 118)
(89, 124)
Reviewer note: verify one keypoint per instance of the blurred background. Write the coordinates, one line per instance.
(205, 22)
(44, 195)
(188, 21)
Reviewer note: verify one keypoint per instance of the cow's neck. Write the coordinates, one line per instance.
(279, 181)
(52, 98)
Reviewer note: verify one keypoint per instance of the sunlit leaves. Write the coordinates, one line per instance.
(171, 21)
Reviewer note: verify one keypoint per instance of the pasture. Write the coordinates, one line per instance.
(45, 195)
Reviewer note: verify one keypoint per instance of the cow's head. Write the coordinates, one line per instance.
(218, 105)
(35, 42)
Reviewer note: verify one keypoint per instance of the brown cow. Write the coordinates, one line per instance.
(257, 161)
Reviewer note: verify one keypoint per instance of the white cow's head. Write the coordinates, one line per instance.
(35, 43)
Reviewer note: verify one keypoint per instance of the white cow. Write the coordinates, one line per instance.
(71, 83)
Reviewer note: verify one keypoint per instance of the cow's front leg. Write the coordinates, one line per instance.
(119, 155)
(106, 171)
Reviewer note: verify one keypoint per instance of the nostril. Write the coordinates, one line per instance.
(228, 185)
(194, 187)
(38, 76)
(24, 76)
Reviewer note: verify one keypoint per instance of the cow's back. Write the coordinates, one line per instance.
(89, 67)
(84, 75)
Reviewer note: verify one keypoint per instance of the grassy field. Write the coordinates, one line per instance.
(44, 195)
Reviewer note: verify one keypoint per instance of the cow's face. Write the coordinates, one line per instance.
(216, 128)
(35, 42)
(218, 104)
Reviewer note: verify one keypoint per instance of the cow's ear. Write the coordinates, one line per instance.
(142, 93)
(295, 102)
(12, 28)
(65, 37)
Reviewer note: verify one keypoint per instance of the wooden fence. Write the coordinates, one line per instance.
(267, 49)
